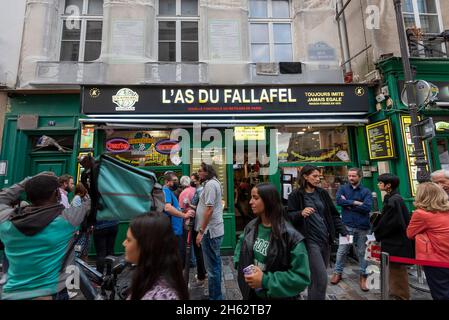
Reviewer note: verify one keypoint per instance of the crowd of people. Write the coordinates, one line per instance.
(279, 254)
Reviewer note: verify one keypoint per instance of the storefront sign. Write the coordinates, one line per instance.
(409, 152)
(117, 145)
(167, 146)
(380, 140)
(179, 100)
(141, 143)
(249, 133)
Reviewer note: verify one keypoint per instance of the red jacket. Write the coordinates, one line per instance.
(436, 226)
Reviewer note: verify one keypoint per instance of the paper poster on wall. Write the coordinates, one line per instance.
(87, 138)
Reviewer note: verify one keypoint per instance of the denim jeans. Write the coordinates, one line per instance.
(212, 262)
(360, 246)
(319, 255)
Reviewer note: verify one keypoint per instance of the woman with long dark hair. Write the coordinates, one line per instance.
(271, 256)
(313, 213)
(151, 244)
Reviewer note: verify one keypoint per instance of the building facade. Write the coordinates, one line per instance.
(264, 78)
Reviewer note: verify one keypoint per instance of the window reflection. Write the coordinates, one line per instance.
(313, 144)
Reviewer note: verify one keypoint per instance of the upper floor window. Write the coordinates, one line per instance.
(270, 30)
(178, 30)
(82, 23)
(424, 15)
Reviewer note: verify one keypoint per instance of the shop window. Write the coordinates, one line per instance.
(82, 22)
(424, 15)
(332, 178)
(270, 31)
(313, 144)
(140, 148)
(178, 30)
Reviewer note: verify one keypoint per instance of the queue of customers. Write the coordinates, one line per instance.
(279, 254)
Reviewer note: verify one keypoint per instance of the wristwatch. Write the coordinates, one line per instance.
(201, 231)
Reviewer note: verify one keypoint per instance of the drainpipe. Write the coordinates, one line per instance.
(343, 35)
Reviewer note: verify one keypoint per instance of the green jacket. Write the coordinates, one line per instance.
(35, 251)
(287, 265)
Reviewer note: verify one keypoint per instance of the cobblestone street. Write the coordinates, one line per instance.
(347, 289)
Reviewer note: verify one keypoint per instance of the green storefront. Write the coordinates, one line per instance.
(392, 109)
(292, 125)
(323, 125)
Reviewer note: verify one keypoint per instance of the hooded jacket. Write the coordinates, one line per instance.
(38, 245)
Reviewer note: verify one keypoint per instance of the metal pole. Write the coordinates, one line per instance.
(421, 162)
(384, 275)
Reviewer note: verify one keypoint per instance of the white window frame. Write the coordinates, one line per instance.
(417, 14)
(178, 19)
(270, 21)
(84, 18)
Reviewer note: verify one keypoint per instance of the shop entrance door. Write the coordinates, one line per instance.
(246, 176)
(55, 157)
(57, 163)
(441, 153)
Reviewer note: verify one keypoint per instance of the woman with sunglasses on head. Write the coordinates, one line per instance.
(313, 213)
(271, 256)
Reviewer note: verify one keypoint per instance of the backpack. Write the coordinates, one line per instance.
(126, 191)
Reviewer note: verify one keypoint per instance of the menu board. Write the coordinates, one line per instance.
(380, 140)
(217, 158)
(409, 148)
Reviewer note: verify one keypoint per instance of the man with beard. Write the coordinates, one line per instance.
(173, 211)
(66, 185)
(356, 201)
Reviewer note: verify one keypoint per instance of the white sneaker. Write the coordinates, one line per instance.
(72, 294)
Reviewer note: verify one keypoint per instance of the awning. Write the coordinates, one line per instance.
(354, 120)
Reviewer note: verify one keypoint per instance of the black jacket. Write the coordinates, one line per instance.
(278, 255)
(333, 221)
(390, 228)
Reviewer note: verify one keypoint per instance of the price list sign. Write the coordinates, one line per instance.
(380, 140)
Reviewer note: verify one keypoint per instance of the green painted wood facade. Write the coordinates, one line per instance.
(433, 70)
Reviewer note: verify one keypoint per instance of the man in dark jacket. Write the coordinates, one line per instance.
(356, 201)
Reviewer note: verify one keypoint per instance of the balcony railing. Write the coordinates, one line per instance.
(69, 72)
(76, 73)
(428, 45)
(175, 72)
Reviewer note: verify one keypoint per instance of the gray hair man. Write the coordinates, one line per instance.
(441, 178)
